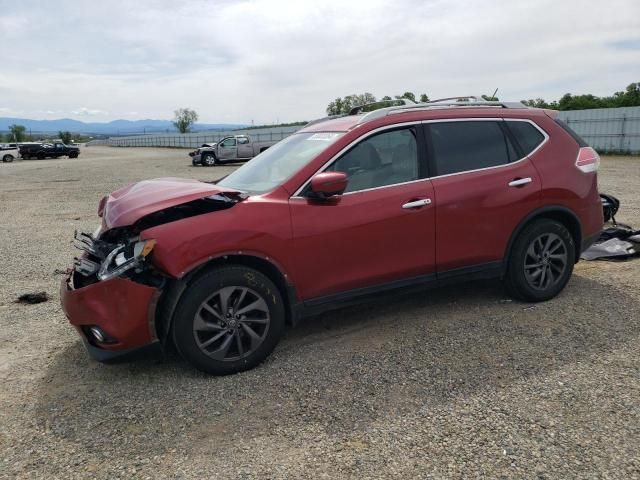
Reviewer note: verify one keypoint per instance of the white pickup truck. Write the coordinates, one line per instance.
(235, 148)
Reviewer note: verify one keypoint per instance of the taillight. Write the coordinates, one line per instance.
(588, 160)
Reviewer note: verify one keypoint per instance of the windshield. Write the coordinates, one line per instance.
(273, 166)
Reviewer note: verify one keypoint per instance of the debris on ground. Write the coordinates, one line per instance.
(616, 242)
(33, 298)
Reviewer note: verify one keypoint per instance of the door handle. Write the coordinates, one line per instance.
(519, 182)
(417, 203)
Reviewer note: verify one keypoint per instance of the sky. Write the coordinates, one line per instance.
(271, 61)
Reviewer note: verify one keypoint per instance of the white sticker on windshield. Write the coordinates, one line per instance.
(325, 136)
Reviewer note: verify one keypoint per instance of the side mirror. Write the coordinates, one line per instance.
(328, 184)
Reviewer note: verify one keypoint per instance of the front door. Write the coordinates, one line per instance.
(380, 230)
(227, 149)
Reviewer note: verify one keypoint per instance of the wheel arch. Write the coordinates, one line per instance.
(558, 213)
(173, 291)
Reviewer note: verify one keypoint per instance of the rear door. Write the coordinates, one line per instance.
(483, 185)
(245, 149)
(380, 230)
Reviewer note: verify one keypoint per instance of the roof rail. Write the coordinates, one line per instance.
(360, 108)
(464, 101)
(407, 104)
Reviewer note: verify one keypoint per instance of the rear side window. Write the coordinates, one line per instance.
(463, 146)
(573, 134)
(527, 136)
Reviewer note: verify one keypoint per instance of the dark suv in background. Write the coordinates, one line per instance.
(408, 196)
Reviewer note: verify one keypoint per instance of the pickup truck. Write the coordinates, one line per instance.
(235, 148)
(49, 150)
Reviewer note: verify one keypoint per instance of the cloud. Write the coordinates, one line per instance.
(89, 112)
(239, 61)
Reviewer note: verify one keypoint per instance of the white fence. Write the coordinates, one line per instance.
(194, 140)
(607, 129)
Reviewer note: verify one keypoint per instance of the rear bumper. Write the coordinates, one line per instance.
(121, 308)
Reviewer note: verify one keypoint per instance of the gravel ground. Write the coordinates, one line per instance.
(458, 382)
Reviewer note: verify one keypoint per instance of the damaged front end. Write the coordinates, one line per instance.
(112, 257)
(111, 293)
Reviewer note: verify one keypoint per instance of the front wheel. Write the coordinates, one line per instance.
(7, 158)
(209, 160)
(229, 320)
(541, 261)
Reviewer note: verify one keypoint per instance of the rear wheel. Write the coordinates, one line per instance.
(7, 158)
(229, 320)
(541, 261)
(40, 155)
(209, 160)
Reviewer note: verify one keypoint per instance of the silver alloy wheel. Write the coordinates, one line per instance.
(209, 160)
(231, 324)
(545, 261)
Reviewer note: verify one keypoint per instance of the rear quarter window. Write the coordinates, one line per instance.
(527, 136)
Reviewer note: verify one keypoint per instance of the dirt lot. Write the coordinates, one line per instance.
(458, 382)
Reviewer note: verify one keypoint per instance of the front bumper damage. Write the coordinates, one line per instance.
(121, 308)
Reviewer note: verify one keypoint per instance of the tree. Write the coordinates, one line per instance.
(65, 137)
(343, 105)
(408, 95)
(424, 98)
(17, 132)
(489, 98)
(184, 118)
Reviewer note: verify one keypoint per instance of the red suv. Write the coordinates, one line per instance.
(407, 196)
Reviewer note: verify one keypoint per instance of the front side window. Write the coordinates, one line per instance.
(468, 145)
(276, 164)
(229, 142)
(387, 158)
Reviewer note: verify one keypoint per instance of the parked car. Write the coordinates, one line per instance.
(234, 148)
(347, 208)
(49, 150)
(8, 153)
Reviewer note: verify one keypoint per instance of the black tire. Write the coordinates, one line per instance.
(194, 344)
(7, 158)
(208, 160)
(73, 155)
(40, 155)
(541, 261)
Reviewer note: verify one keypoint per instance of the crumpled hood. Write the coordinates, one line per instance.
(129, 204)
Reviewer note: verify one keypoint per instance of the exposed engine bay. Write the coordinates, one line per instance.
(120, 251)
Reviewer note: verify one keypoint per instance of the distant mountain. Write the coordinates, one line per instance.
(115, 127)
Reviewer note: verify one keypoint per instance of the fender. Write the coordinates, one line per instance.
(548, 212)
(172, 294)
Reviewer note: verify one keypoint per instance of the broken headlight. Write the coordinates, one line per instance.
(124, 258)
